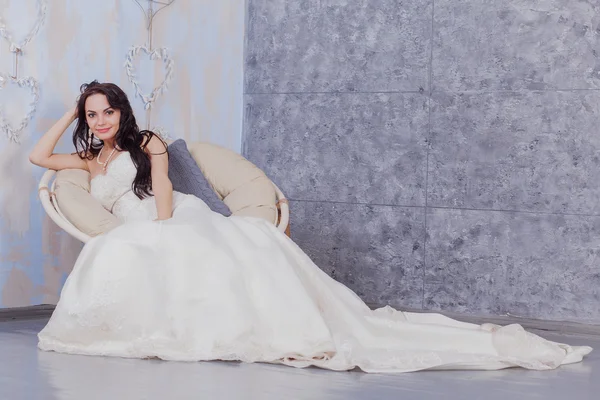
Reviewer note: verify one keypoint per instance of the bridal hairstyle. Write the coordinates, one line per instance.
(128, 138)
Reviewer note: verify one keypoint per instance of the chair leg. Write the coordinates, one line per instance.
(288, 230)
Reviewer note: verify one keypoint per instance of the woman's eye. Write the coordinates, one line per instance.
(110, 112)
(90, 115)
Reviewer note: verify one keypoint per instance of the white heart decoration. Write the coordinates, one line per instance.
(162, 54)
(26, 83)
(18, 47)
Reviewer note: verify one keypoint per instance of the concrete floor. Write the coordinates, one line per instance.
(26, 373)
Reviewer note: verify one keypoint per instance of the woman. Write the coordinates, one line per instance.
(180, 282)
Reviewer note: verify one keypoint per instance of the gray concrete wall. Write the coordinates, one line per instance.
(439, 154)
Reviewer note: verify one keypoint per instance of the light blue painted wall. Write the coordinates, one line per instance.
(82, 40)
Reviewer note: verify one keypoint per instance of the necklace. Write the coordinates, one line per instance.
(105, 163)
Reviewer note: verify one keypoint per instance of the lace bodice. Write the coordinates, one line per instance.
(114, 191)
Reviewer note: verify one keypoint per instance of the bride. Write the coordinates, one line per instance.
(177, 281)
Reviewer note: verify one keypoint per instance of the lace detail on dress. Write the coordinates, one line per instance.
(115, 183)
(115, 192)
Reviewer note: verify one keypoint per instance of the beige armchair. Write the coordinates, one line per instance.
(247, 191)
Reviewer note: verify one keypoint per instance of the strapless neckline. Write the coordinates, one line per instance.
(110, 165)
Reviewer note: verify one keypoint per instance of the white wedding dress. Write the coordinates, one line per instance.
(201, 286)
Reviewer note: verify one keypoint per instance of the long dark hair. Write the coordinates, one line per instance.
(128, 138)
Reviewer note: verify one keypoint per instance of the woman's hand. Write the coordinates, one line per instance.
(74, 113)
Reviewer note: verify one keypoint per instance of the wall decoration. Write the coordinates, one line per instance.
(155, 54)
(39, 21)
(32, 86)
(155, 6)
(159, 54)
(13, 132)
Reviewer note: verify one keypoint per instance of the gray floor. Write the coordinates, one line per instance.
(26, 373)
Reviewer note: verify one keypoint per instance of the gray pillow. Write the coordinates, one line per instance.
(186, 177)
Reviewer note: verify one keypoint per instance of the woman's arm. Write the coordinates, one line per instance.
(43, 153)
(161, 184)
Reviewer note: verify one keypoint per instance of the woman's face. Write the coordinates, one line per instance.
(102, 119)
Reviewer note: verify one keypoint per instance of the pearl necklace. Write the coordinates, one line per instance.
(105, 163)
